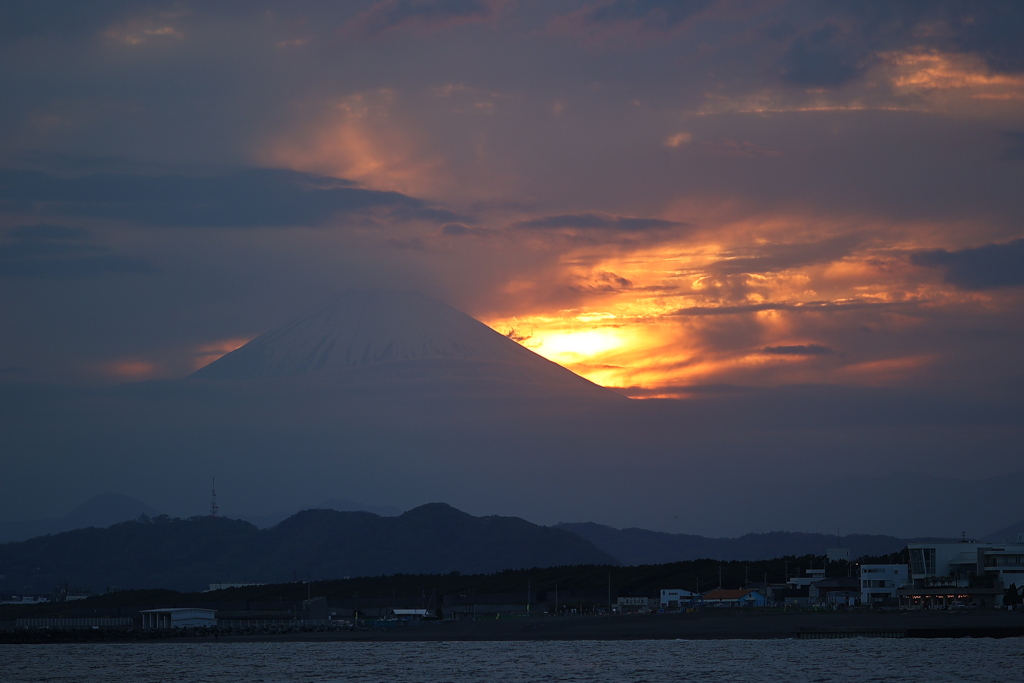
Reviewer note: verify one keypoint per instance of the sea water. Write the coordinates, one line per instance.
(652, 661)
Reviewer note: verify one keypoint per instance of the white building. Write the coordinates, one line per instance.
(962, 561)
(178, 617)
(879, 583)
(966, 573)
(957, 562)
(1003, 562)
(632, 604)
(674, 598)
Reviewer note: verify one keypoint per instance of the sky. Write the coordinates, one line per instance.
(680, 199)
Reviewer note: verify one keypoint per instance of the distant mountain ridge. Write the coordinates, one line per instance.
(341, 505)
(190, 554)
(99, 511)
(640, 546)
(1009, 534)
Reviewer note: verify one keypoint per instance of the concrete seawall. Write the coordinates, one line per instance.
(708, 624)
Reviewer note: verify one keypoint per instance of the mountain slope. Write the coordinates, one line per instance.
(640, 546)
(374, 337)
(190, 554)
(274, 518)
(1008, 534)
(99, 511)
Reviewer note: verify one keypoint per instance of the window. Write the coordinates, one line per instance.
(917, 560)
(922, 561)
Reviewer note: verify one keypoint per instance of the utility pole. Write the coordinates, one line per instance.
(213, 498)
(609, 592)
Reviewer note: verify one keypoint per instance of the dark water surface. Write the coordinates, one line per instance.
(857, 659)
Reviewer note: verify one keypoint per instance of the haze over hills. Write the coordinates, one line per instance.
(640, 546)
(99, 511)
(1008, 534)
(107, 509)
(190, 554)
(158, 551)
(397, 398)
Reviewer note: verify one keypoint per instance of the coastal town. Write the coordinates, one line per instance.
(965, 576)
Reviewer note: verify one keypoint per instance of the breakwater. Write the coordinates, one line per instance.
(705, 625)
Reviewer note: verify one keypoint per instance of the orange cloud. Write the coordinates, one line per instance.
(925, 81)
(923, 72)
(130, 369)
(758, 300)
(207, 353)
(145, 29)
(678, 139)
(361, 137)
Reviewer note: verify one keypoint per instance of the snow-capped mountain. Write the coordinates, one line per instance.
(372, 336)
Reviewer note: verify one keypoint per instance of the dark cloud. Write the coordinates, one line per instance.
(653, 14)
(990, 29)
(798, 350)
(841, 50)
(390, 14)
(456, 229)
(776, 257)
(988, 267)
(596, 221)
(62, 17)
(246, 198)
(822, 59)
(604, 281)
(1014, 149)
(809, 306)
(56, 251)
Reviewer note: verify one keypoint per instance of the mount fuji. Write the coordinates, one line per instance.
(375, 338)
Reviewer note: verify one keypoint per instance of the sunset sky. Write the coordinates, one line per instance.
(655, 194)
(668, 197)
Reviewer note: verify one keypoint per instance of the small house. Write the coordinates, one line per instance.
(740, 597)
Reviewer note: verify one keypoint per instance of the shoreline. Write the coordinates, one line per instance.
(705, 625)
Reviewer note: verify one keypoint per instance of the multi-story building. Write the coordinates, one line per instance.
(965, 573)
(675, 598)
(880, 582)
(1002, 562)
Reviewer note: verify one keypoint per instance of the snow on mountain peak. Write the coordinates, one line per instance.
(363, 333)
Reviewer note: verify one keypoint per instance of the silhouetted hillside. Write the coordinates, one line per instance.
(1008, 534)
(640, 546)
(99, 511)
(320, 544)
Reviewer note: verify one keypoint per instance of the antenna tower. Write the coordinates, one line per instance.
(213, 498)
